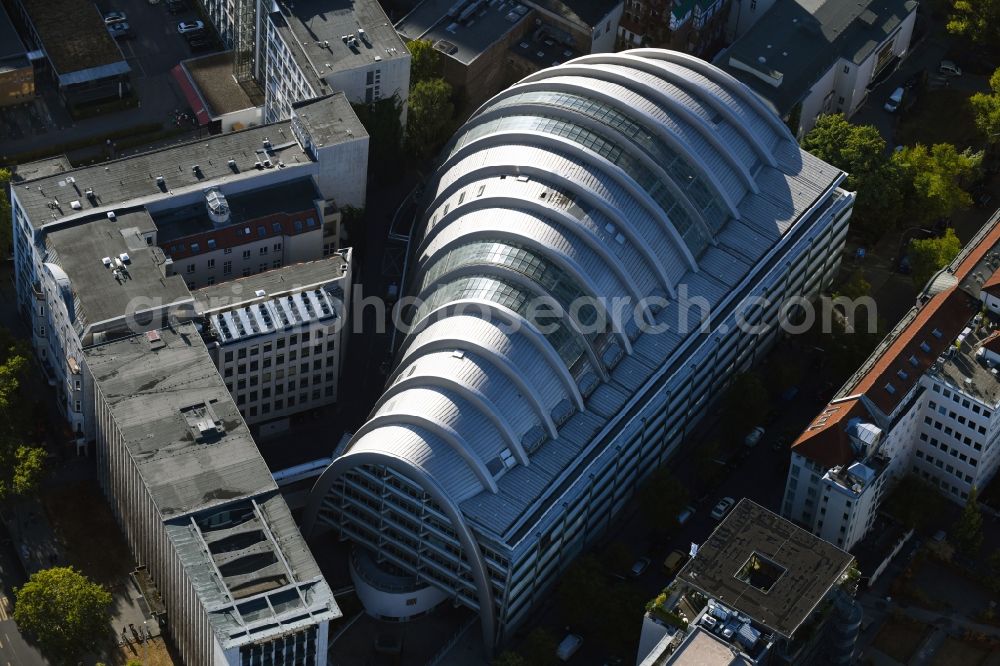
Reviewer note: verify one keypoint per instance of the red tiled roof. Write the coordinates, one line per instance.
(825, 441)
(901, 364)
(916, 348)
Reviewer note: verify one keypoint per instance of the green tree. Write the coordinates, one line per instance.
(746, 402)
(856, 286)
(430, 116)
(987, 109)
(580, 589)
(425, 61)
(21, 464)
(914, 503)
(968, 532)
(385, 131)
(509, 658)
(540, 648)
(64, 611)
(977, 20)
(860, 151)
(936, 174)
(6, 229)
(661, 498)
(929, 255)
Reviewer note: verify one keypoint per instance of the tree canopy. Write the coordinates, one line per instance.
(430, 114)
(968, 532)
(6, 229)
(385, 132)
(425, 61)
(21, 463)
(977, 20)
(747, 401)
(661, 498)
(64, 611)
(987, 109)
(861, 152)
(937, 174)
(929, 255)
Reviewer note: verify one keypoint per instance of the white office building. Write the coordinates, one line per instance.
(278, 337)
(925, 403)
(97, 247)
(507, 440)
(812, 57)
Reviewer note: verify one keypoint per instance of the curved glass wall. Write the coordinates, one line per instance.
(562, 338)
(684, 176)
(694, 234)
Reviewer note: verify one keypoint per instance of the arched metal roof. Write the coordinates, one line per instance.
(614, 176)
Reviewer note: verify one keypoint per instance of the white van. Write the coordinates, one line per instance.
(895, 99)
(568, 647)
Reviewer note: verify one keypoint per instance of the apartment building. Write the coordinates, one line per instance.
(691, 26)
(17, 75)
(810, 58)
(501, 446)
(199, 508)
(100, 247)
(278, 338)
(925, 403)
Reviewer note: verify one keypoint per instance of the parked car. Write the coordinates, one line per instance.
(639, 567)
(895, 100)
(675, 560)
(190, 26)
(568, 647)
(115, 17)
(754, 437)
(723, 507)
(120, 30)
(685, 515)
(176, 6)
(948, 68)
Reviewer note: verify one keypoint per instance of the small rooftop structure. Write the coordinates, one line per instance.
(763, 566)
(701, 648)
(797, 41)
(12, 50)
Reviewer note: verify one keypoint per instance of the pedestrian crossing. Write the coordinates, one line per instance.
(5, 611)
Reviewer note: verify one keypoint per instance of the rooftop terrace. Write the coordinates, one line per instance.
(763, 566)
(214, 79)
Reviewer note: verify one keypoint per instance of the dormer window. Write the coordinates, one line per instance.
(937, 334)
(925, 348)
(913, 361)
(902, 375)
(890, 389)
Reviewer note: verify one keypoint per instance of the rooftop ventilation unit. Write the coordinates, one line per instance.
(232, 165)
(111, 215)
(267, 143)
(161, 183)
(259, 293)
(106, 261)
(75, 205)
(196, 170)
(125, 258)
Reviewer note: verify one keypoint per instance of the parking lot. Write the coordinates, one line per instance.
(153, 47)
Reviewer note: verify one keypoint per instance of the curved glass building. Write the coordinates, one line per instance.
(607, 243)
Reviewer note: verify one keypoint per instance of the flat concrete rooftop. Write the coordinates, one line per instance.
(313, 31)
(790, 570)
(73, 34)
(278, 281)
(464, 39)
(79, 249)
(181, 427)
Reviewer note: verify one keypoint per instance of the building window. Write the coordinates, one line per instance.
(228, 250)
(227, 267)
(246, 254)
(211, 263)
(190, 268)
(263, 251)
